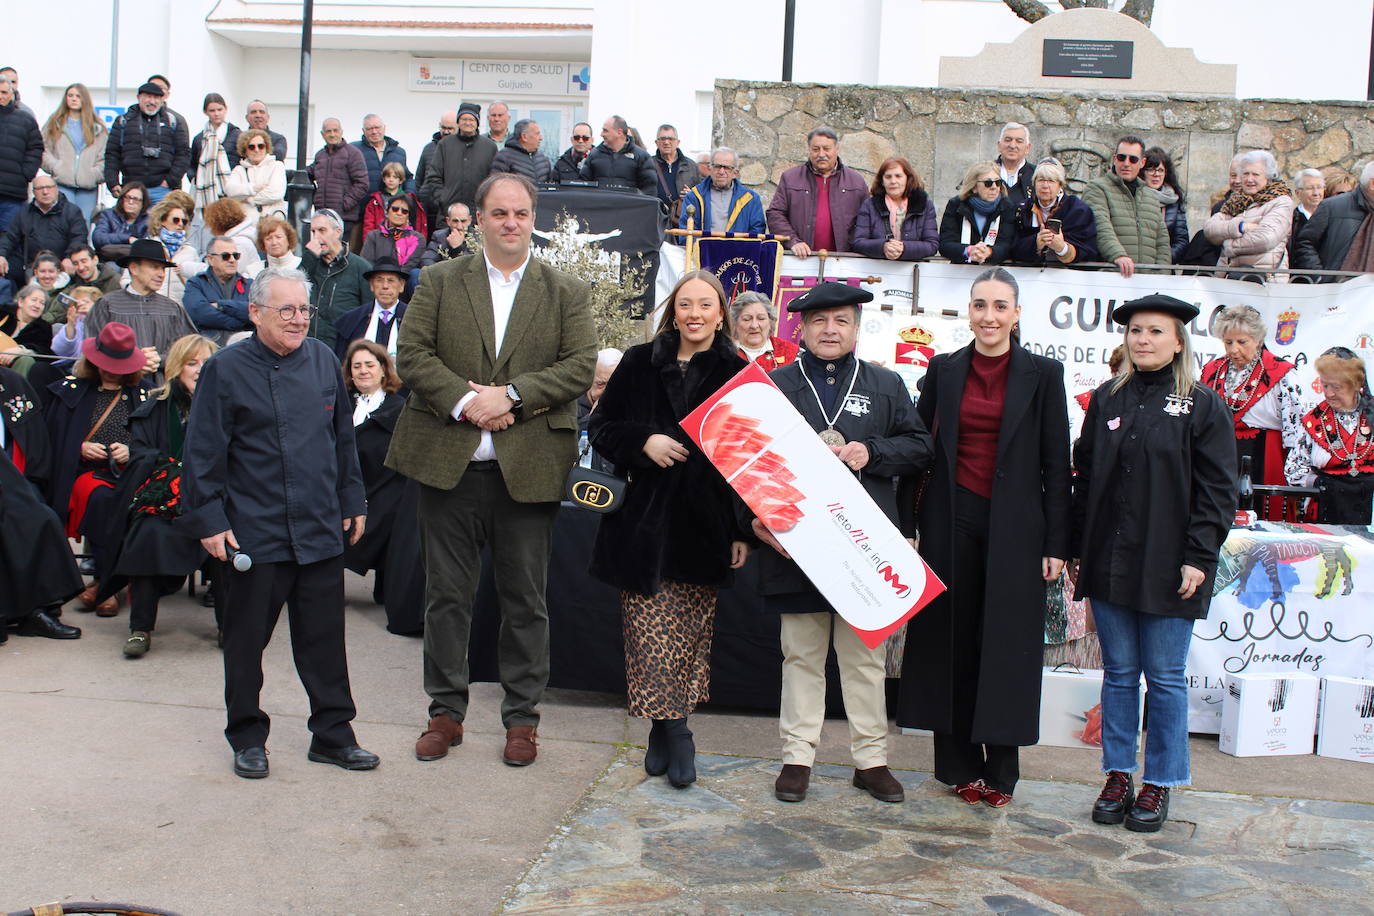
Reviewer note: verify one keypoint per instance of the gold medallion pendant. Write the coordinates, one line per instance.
(832, 437)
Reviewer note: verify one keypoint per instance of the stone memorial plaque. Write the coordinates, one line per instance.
(1087, 57)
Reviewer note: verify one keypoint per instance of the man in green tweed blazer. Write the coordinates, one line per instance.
(495, 348)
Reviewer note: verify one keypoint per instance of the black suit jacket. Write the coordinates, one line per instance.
(353, 324)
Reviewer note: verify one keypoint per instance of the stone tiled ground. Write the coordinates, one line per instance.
(726, 846)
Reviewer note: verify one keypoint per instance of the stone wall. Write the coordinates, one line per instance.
(942, 131)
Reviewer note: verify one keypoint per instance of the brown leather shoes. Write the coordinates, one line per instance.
(521, 746)
(792, 782)
(109, 607)
(87, 596)
(441, 734)
(880, 783)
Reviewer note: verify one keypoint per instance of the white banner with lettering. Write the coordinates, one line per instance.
(1065, 314)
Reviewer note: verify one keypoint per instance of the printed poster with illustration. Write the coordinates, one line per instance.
(816, 507)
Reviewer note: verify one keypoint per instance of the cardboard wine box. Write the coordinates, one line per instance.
(1346, 727)
(1268, 715)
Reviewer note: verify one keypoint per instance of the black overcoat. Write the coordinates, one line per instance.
(21, 412)
(1155, 489)
(391, 541)
(1029, 519)
(149, 545)
(69, 420)
(37, 568)
(677, 522)
(883, 419)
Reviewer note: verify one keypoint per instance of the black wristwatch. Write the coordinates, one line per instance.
(514, 397)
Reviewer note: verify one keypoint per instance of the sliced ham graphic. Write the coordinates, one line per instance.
(731, 440)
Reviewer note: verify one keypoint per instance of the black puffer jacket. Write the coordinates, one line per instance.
(61, 230)
(515, 158)
(132, 133)
(1325, 240)
(629, 166)
(21, 150)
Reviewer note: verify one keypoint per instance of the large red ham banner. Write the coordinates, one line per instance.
(813, 504)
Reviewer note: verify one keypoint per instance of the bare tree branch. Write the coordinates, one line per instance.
(1029, 10)
(1142, 10)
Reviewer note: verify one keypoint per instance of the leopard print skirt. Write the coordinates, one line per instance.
(668, 649)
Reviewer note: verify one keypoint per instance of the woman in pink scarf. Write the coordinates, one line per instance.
(395, 240)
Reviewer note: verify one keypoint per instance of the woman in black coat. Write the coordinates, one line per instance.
(994, 523)
(898, 221)
(978, 225)
(1154, 499)
(390, 545)
(1040, 240)
(678, 537)
(88, 415)
(154, 557)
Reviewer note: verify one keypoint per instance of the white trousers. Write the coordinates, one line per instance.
(805, 641)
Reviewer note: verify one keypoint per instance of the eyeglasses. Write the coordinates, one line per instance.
(228, 255)
(722, 167)
(398, 210)
(988, 182)
(1123, 157)
(661, 139)
(256, 146)
(289, 312)
(1156, 168)
(581, 136)
(177, 220)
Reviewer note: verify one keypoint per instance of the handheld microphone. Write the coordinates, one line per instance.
(241, 561)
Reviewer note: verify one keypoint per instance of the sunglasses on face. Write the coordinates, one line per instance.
(228, 255)
(256, 146)
(405, 210)
(581, 136)
(177, 220)
(988, 182)
(1124, 157)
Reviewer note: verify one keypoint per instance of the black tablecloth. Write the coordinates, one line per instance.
(586, 646)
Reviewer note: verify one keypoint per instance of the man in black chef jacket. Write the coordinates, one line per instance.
(270, 471)
(864, 413)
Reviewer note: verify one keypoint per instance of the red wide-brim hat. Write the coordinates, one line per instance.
(115, 350)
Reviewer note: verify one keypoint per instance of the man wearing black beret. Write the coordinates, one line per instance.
(864, 413)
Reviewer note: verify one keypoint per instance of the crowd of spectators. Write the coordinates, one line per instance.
(111, 313)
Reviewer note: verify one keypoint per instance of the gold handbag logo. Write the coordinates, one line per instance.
(592, 494)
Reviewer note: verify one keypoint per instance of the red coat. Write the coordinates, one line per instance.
(374, 214)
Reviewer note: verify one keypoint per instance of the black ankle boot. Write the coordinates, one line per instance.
(656, 756)
(1151, 809)
(1116, 799)
(682, 753)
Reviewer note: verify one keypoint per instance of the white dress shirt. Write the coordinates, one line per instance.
(371, 332)
(503, 293)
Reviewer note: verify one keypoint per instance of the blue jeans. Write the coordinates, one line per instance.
(1133, 643)
(84, 198)
(8, 207)
(156, 194)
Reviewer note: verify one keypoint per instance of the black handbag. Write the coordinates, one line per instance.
(595, 490)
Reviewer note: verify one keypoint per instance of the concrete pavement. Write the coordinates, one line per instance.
(118, 787)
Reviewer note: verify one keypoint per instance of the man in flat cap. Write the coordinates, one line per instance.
(864, 413)
(148, 143)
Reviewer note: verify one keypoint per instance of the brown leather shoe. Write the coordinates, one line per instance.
(880, 783)
(521, 746)
(792, 782)
(441, 734)
(109, 607)
(86, 599)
